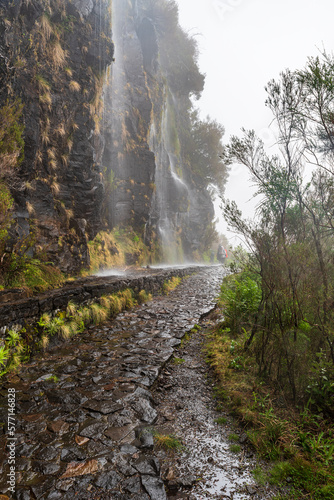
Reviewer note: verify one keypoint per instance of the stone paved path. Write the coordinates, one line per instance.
(75, 437)
(206, 467)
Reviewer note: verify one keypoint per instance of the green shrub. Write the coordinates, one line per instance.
(240, 297)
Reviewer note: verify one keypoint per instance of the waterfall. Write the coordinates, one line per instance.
(114, 116)
(142, 154)
(172, 197)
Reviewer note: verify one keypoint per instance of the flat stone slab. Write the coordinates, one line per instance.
(117, 434)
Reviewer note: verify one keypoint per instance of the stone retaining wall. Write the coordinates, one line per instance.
(29, 310)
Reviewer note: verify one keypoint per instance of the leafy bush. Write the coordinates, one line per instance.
(240, 297)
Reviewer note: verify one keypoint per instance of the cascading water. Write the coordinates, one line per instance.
(149, 187)
(116, 103)
(172, 197)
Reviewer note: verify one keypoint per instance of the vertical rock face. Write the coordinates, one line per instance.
(106, 135)
(147, 103)
(53, 54)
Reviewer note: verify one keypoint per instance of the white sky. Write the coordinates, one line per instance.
(244, 44)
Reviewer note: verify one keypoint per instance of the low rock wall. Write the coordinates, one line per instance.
(24, 311)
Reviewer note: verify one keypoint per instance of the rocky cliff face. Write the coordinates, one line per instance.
(53, 57)
(105, 139)
(147, 103)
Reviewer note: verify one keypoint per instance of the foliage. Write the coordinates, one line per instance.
(202, 151)
(235, 448)
(171, 284)
(32, 274)
(65, 324)
(176, 41)
(11, 156)
(221, 420)
(6, 204)
(144, 297)
(11, 139)
(299, 442)
(113, 249)
(240, 297)
(178, 361)
(290, 331)
(168, 442)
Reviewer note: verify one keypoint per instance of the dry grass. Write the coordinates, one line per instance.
(46, 99)
(171, 284)
(44, 341)
(74, 86)
(55, 187)
(43, 84)
(51, 154)
(60, 130)
(69, 72)
(65, 331)
(69, 142)
(30, 208)
(46, 27)
(65, 159)
(57, 55)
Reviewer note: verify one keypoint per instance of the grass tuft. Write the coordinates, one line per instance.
(168, 442)
(171, 284)
(235, 448)
(144, 297)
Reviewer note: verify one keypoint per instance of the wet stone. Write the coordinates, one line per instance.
(97, 448)
(141, 496)
(128, 449)
(145, 467)
(104, 407)
(70, 443)
(154, 487)
(124, 467)
(119, 420)
(187, 481)
(65, 484)
(93, 430)
(55, 397)
(49, 453)
(146, 438)
(119, 433)
(144, 410)
(69, 368)
(81, 440)
(45, 468)
(75, 469)
(55, 495)
(23, 464)
(108, 480)
(72, 454)
(22, 494)
(132, 485)
(68, 385)
(58, 427)
(41, 489)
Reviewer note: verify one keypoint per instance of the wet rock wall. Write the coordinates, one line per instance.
(146, 102)
(53, 57)
(21, 311)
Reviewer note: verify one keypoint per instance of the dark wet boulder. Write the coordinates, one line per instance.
(154, 487)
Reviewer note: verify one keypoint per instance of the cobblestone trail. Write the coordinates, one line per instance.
(77, 433)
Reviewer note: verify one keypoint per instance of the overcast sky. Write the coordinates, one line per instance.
(244, 44)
